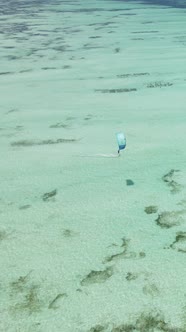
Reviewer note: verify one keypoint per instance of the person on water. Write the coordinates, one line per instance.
(121, 142)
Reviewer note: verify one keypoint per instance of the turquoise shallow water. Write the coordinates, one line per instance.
(90, 241)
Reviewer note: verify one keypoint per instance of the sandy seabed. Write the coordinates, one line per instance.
(92, 242)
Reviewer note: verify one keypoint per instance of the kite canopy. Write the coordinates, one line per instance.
(121, 141)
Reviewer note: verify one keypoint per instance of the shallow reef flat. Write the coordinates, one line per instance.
(91, 241)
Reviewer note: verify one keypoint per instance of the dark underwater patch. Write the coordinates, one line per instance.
(8, 47)
(132, 75)
(24, 207)
(44, 142)
(125, 253)
(115, 90)
(149, 321)
(95, 277)
(180, 242)
(129, 182)
(48, 68)
(50, 195)
(151, 209)
(59, 125)
(3, 235)
(6, 72)
(168, 219)
(12, 57)
(159, 84)
(137, 39)
(54, 304)
(131, 276)
(168, 3)
(147, 31)
(169, 179)
(25, 71)
(147, 22)
(12, 7)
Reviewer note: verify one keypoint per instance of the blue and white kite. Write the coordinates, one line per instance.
(121, 141)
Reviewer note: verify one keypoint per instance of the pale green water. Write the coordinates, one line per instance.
(90, 242)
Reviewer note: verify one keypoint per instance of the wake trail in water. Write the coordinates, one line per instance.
(100, 155)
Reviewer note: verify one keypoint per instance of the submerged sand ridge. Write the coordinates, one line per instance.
(90, 241)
